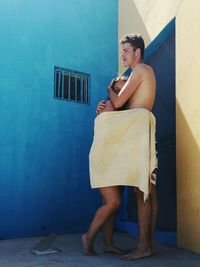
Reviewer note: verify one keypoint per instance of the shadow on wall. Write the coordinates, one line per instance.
(133, 12)
(129, 10)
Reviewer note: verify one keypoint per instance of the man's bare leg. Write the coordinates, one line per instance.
(144, 248)
(153, 219)
(112, 199)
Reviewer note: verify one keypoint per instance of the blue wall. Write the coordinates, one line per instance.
(163, 62)
(44, 143)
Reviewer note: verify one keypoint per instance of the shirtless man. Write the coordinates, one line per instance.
(139, 92)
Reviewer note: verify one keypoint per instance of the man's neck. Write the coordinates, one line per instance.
(136, 63)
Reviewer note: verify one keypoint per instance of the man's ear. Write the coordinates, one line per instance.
(138, 52)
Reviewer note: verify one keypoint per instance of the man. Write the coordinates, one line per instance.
(139, 92)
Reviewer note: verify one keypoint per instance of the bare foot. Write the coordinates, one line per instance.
(88, 246)
(113, 249)
(137, 254)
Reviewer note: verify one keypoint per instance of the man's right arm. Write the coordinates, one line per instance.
(127, 91)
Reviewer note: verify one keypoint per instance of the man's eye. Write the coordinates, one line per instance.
(124, 52)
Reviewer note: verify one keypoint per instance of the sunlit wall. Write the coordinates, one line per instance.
(188, 124)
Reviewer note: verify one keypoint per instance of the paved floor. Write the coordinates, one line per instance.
(17, 253)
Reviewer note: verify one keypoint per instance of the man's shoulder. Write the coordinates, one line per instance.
(143, 67)
(144, 70)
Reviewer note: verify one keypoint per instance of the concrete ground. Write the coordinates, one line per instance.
(17, 253)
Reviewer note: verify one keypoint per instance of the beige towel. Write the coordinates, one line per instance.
(123, 150)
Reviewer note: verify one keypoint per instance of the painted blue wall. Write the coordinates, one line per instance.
(163, 62)
(44, 143)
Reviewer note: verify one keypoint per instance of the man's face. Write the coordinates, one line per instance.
(118, 86)
(127, 54)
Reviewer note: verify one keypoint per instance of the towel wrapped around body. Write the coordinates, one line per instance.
(123, 150)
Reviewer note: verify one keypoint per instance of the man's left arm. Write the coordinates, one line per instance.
(126, 92)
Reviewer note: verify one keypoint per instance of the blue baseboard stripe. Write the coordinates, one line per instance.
(167, 238)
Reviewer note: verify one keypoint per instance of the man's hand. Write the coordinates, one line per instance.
(100, 107)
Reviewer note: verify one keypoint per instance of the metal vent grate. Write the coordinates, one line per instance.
(71, 85)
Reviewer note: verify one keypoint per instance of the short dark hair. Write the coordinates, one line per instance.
(135, 40)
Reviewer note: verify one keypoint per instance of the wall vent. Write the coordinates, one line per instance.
(71, 85)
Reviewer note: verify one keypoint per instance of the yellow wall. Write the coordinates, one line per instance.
(149, 17)
(188, 124)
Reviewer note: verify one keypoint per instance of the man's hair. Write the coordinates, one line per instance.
(135, 40)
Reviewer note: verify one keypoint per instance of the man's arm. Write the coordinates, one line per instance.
(127, 90)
